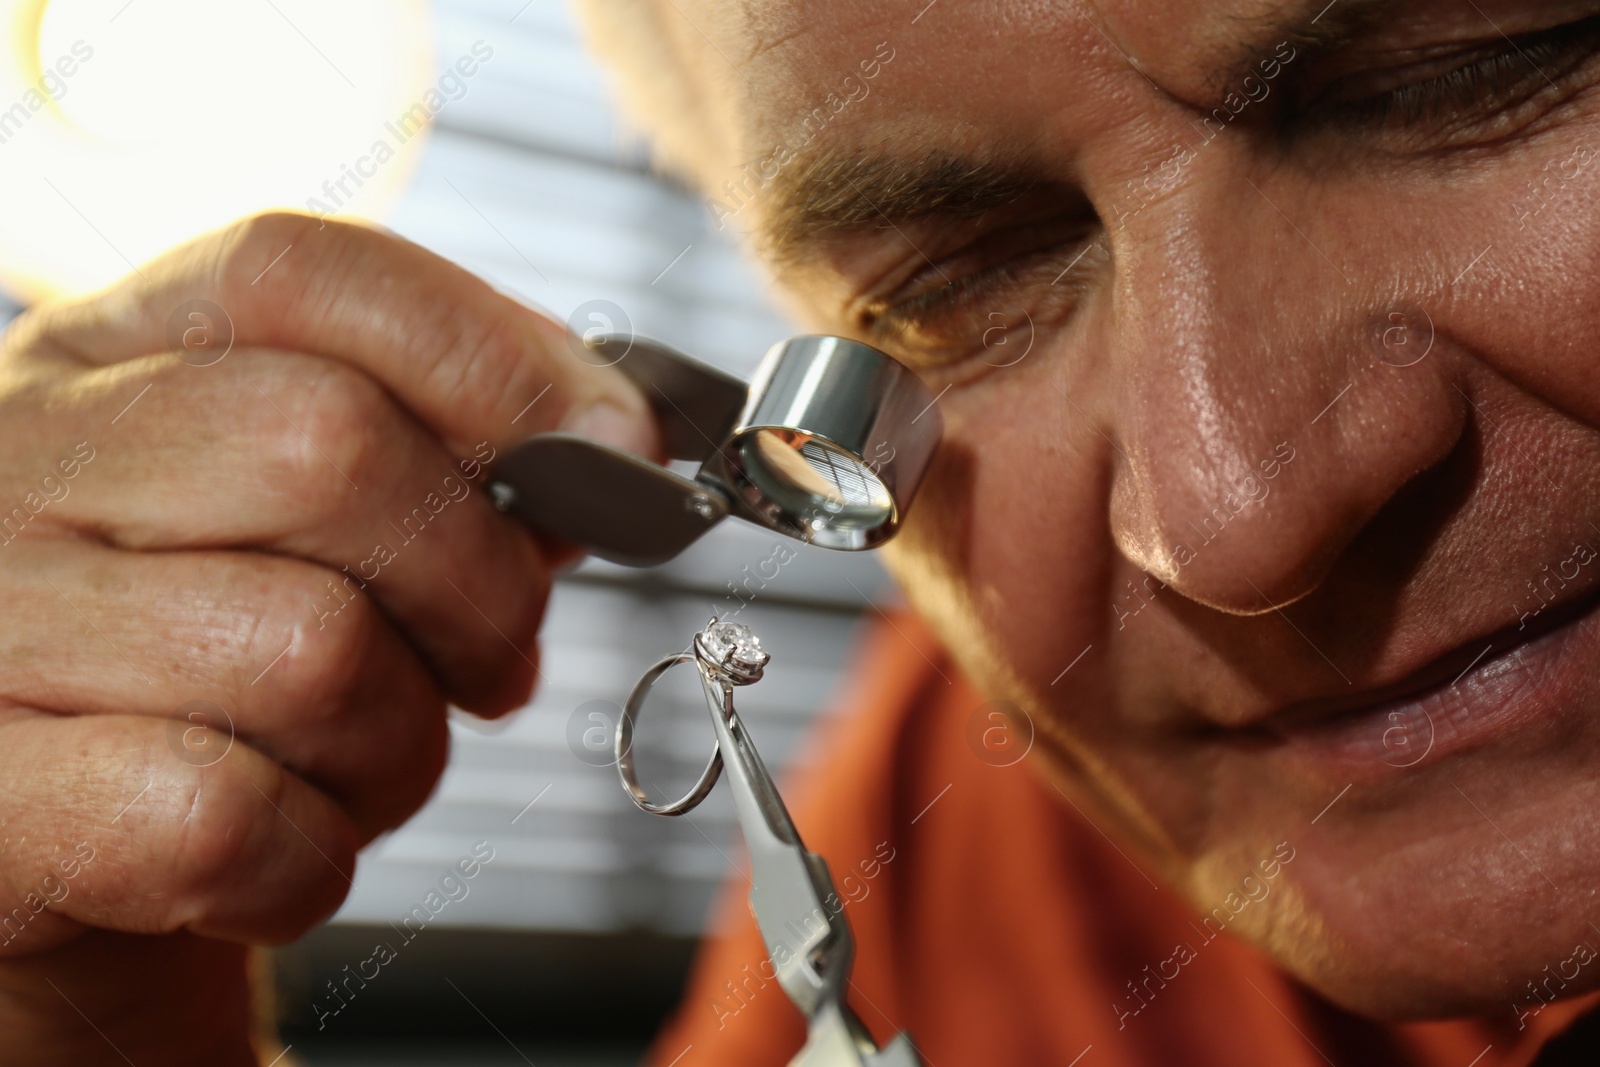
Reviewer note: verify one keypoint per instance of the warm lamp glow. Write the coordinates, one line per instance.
(129, 127)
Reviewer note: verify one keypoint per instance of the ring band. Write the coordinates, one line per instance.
(624, 747)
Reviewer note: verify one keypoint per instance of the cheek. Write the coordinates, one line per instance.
(1004, 552)
(1501, 253)
(1529, 307)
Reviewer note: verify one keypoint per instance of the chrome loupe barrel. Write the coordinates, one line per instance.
(832, 443)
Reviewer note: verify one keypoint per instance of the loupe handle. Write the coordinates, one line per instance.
(621, 507)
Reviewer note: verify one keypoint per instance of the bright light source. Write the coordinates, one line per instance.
(129, 126)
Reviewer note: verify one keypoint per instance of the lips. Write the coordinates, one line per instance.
(1484, 691)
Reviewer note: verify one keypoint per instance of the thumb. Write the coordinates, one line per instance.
(599, 401)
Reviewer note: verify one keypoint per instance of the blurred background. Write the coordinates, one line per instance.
(159, 119)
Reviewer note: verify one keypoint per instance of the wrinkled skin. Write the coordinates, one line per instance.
(1310, 405)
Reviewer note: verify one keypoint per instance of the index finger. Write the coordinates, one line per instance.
(471, 363)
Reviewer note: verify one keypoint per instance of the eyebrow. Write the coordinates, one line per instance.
(843, 190)
(838, 191)
(1315, 26)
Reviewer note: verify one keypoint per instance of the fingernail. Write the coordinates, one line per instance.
(611, 425)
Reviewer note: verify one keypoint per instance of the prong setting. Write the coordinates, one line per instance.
(730, 651)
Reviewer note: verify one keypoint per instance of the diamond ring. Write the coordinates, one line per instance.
(727, 654)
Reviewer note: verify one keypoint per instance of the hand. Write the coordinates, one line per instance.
(246, 564)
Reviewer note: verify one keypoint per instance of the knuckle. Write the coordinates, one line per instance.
(339, 636)
(251, 243)
(26, 331)
(217, 822)
(323, 439)
(46, 330)
(341, 420)
(232, 823)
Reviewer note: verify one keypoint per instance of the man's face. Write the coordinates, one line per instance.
(1267, 352)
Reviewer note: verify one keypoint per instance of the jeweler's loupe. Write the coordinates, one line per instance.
(828, 445)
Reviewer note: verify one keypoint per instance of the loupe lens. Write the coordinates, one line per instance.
(814, 486)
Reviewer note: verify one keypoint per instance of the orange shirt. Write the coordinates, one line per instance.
(999, 927)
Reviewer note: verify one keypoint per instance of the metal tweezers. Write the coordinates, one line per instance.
(796, 906)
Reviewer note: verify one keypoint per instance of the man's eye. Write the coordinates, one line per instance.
(1468, 96)
(970, 305)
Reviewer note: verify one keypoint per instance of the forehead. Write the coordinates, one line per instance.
(983, 28)
(889, 67)
(767, 65)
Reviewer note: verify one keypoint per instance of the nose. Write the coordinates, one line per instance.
(1268, 403)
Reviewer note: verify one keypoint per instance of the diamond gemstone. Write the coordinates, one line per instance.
(732, 641)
